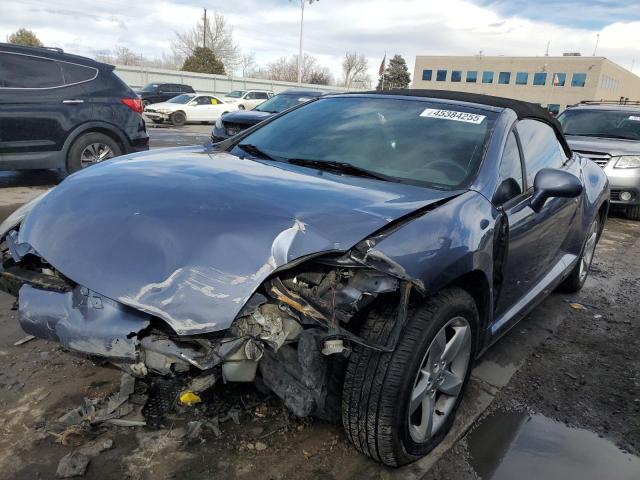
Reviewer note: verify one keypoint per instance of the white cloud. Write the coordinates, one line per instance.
(271, 27)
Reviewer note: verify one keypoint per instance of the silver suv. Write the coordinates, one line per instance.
(609, 134)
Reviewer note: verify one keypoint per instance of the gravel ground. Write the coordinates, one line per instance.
(584, 371)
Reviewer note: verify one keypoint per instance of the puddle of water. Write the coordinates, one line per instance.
(512, 445)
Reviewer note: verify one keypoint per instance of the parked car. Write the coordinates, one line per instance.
(247, 99)
(357, 253)
(189, 107)
(161, 92)
(63, 111)
(609, 134)
(236, 122)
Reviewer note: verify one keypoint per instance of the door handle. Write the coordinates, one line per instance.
(72, 101)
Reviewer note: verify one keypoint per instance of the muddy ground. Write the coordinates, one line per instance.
(579, 367)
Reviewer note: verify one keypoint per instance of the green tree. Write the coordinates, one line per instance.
(203, 60)
(396, 75)
(25, 37)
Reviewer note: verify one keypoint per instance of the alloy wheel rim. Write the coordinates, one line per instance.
(589, 250)
(95, 153)
(438, 383)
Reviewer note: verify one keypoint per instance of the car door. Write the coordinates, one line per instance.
(199, 108)
(258, 98)
(534, 241)
(37, 109)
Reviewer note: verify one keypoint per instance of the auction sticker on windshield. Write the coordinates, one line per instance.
(453, 115)
(634, 118)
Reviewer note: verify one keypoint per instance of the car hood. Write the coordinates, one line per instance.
(167, 105)
(188, 235)
(613, 146)
(250, 117)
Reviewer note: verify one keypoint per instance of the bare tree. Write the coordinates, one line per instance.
(354, 70)
(247, 63)
(121, 56)
(218, 36)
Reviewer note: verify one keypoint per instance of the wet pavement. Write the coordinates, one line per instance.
(516, 444)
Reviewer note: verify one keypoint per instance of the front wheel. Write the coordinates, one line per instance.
(633, 213)
(575, 281)
(178, 119)
(240, 107)
(396, 407)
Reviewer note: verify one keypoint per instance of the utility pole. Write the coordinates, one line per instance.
(546, 54)
(597, 41)
(302, 2)
(204, 30)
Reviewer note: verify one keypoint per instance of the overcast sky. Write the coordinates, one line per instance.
(270, 28)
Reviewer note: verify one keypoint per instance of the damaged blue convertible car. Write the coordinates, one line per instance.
(355, 255)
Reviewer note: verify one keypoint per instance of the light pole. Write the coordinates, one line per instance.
(302, 2)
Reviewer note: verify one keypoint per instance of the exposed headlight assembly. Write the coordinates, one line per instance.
(628, 161)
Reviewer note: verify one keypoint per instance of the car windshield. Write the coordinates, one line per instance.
(150, 87)
(404, 140)
(601, 123)
(181, 99)
(281, 102)
(236, 94)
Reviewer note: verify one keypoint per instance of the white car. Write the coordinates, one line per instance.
(247, 99)
(189, 107)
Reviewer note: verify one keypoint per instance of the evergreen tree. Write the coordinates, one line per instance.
(25, 37)
(203, 60)
(396, 75)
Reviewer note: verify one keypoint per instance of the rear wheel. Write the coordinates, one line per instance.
(633, 212)
(240, 107)
(578, 275)
(89, 149)
(396, 407)
(178, 119)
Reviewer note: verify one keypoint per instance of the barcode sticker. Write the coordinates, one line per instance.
(453, 115)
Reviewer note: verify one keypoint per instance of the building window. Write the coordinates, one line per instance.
(456, 75)
(487, 77)
(579, 80)
(441, 76)
(504, 78)
(426, 75)
(553, 108)
(522, 78)
(559, 79)
(540, 78)
(472, 76)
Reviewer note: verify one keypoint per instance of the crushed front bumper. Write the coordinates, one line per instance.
(83, 321)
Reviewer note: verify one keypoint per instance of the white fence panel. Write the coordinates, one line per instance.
(137, 77)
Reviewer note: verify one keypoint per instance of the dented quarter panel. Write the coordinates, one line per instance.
(188, 236)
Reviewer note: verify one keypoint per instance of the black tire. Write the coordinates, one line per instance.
(157, 121)
(145, 104)
(241, 107)
(178, 119)
(378, 386)
(74, 157)
(574, 282)
(633, 213)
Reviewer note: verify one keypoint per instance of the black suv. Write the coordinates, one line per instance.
(64, 111)
(161, 92)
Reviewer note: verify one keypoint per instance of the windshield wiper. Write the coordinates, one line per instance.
(601, 135)
(255, 151)
(342, 167)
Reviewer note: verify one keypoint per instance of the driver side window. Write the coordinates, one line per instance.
(511, 178)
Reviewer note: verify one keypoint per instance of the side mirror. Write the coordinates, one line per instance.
(550, 183)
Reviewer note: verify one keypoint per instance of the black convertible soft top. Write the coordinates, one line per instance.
(521, 109)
